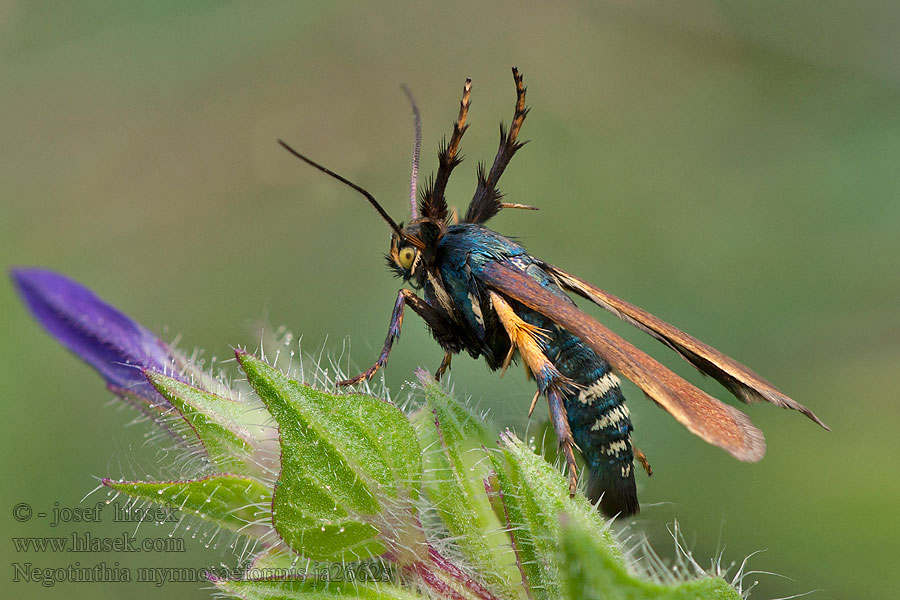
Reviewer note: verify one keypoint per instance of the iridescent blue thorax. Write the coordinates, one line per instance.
(452, 284)
(461, 254)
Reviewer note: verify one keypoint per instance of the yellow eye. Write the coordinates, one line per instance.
(406, 257)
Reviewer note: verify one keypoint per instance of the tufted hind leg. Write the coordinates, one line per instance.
(524, 338)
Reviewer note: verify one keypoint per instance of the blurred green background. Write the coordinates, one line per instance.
(730, 166)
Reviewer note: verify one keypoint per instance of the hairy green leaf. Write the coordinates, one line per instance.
(312, 589)
(232, 501)
(217, 421)
(455, 465)
(590, 572)
(351, 470)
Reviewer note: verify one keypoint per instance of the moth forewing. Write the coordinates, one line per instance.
(745, 384)
(703, 415)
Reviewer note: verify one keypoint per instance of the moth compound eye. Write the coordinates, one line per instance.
(406, 257)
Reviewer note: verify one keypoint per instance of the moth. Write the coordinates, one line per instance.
(482, 293)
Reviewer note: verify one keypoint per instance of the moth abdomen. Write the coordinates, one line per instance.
(601, 427)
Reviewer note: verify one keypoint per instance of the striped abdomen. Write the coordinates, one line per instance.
(600, 423)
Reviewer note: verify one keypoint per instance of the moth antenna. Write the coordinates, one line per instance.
(346, 181)
(416, 151)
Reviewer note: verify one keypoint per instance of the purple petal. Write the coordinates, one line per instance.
(116, 346)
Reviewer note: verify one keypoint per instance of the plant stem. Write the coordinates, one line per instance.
(442, 576)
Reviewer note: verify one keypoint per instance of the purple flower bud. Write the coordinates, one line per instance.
(117, 347)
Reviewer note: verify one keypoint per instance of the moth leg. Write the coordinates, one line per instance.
(445, 366)
(508, 360)
(642, 458)
(486, 201)
(440, 327)
(560, 422)
(534, 400)
(435, 202)
(437, 322)
(393, 334)
(509, 143)
(524, 337)
(517, 205)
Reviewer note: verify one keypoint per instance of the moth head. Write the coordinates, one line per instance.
(406, 255)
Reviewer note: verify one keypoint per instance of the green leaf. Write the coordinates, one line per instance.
(280, 562)
(231, 501)
(548, 493)
(217, 421)
(455, 466)
(312, 589)
(351, 470)
(462, 425)
(590, 572)
(278, 557)
(529, 526)
(563, 545)
(532, 497)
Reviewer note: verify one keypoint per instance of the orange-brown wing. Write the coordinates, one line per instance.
(746, 385)
(703, 415)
